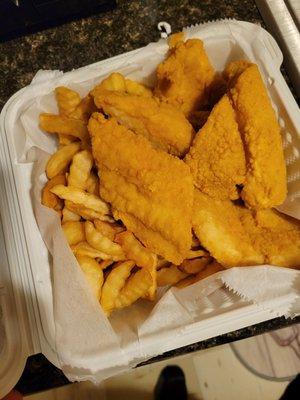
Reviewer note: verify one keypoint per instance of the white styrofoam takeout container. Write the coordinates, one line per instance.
(26, 319)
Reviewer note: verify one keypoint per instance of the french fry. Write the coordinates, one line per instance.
(133, 87)
(74, 232)
(105, 263)
(170, 275)
(49, 199)
(113, 284)
(59, 161)
(195, 242)
(68, 215)
(67, 100)
(93, 274)
(114, 81)
(65, 139)
(195, 265)
(84, 249)
(189, 280)
(81, 197)
(210, 269)
(162, 263)
(80, 169)
(84, 109)
(117, 82)
(136, 286)
(102, 243)
(134, 250)
(92, 184)
(197, 253)
(52, 123)
(110, 230)
(151, 292)
(86, 213)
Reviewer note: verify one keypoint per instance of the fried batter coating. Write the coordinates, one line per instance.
(237, 236)
(217, 225)
(265, 185)
(117, 82)
(149, 190)
(275, 235)
(164, 125)
(216, 157)
(184, 78)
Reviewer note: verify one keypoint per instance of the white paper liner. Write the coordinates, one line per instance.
(88, 345)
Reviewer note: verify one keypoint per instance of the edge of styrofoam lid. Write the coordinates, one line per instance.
(14, 352)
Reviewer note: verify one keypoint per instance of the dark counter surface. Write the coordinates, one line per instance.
(39, 374)
(131, 25)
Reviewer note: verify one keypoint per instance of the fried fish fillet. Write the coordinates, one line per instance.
(184, 78)
(164, 125)
(217, 225)
(237, 236)
(265, 184)
(148, 189)
(117, 82)
(275, 235)
(216, 157)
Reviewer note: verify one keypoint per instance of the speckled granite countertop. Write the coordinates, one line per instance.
(131, 25)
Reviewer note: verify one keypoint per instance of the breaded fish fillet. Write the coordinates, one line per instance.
(148, 189)
(164, 125)
(265, 185)
(275, 235)
(117, 82)
(184, 78)
(216, 157)
(217, 225)
(237, 236)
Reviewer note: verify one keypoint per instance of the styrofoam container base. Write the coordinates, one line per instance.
(25, 274)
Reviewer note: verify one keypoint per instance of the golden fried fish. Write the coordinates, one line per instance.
(265, 184)
(148, 189)
(185, 77)
(237, 236)
(164, 125)
(216, 157)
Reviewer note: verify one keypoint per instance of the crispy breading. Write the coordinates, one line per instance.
(234, 70)
(216, 157)
(237, 236)
(265, 185)
(217, 225)
(164, 125)
(117, 82)
(275, 235)
(184, 78)
(149, 190)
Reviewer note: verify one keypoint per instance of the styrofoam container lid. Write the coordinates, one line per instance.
(26, 320)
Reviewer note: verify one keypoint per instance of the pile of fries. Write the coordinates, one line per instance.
(119, 269)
